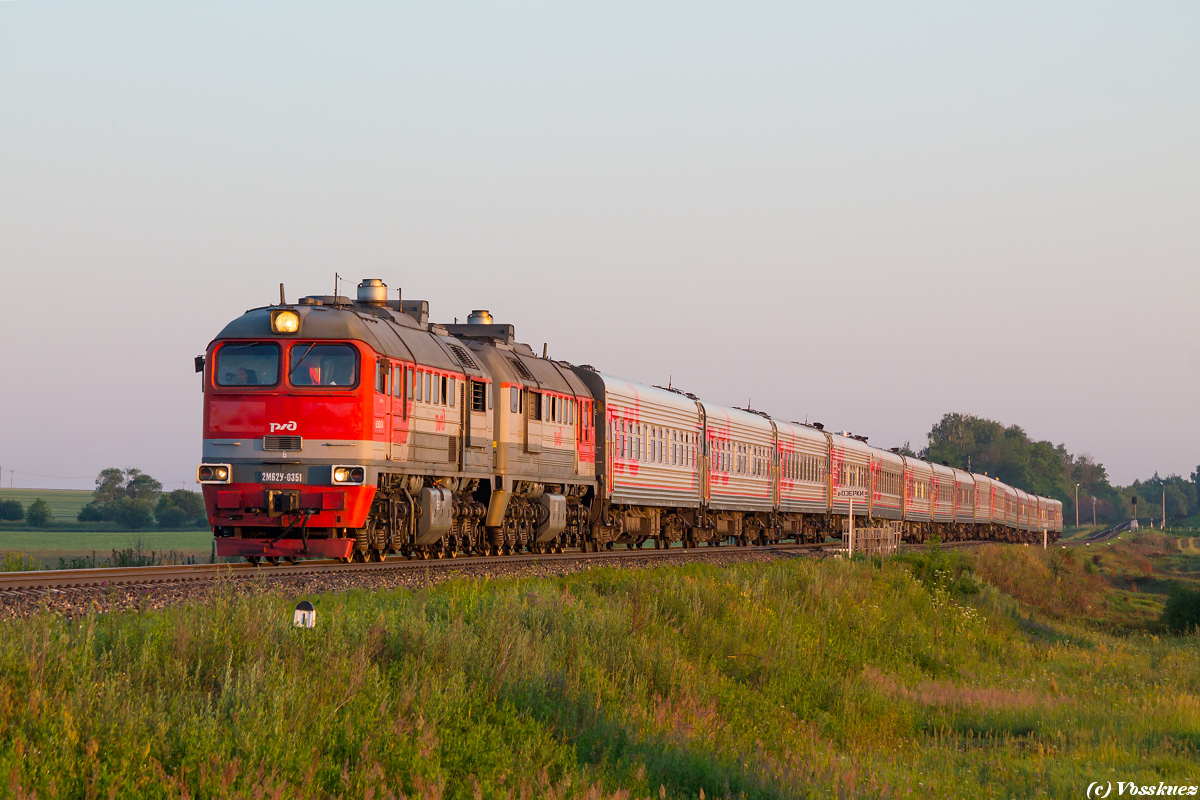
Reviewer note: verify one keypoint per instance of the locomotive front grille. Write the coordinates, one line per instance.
(284, 443)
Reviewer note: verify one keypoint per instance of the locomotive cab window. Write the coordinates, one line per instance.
(253, 364)
(323, 365)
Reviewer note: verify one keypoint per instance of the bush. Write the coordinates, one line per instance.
(179, 508)
(170, 516)
(19, 562)
(1182, 612)
(938, 569)
(131, 513)
(38, 514)
(92, 512)
(12, 510)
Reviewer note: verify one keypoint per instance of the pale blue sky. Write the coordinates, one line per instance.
(862, 214)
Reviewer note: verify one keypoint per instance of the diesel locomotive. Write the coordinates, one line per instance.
(356, 428)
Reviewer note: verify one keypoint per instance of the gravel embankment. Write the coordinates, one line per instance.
(77, 602)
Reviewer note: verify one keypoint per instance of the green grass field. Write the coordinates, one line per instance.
(49, 546)
(65, 504)
(914, 676)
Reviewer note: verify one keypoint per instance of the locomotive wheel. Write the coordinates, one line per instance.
(272, 560)
(292, 559)
(253, 560)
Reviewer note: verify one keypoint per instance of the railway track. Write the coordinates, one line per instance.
(37, 583)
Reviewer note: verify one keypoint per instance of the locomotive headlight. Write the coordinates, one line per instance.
(349, 474)
(285, 321)
(214, 473)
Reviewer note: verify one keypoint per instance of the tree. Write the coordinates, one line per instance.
(12, 510)
(1008, 454)
(38, 514)
(179, 508)
(132, 512)
(125, 496)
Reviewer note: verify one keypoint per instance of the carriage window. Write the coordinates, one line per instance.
(452, 392)
(413, 394)
(248, 365)
(489, 396)
(323, 365)
(478, 392)
(398, 381)
(514, 399)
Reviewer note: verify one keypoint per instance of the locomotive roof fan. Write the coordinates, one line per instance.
(372, 292)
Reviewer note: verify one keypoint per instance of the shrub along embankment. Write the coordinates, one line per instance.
(788, 679)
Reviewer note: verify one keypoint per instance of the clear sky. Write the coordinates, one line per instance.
(864, 214)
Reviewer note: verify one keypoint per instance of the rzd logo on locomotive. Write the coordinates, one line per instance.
(283, 426)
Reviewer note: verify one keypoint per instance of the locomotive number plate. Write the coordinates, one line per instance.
(281, 477)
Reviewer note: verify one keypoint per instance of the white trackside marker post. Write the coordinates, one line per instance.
(305, 616)
(851, 553)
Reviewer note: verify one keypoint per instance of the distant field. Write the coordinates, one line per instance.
(65, 504)
(49, 546)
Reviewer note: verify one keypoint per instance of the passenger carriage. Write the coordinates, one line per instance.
(850, 468)
(943, 506)
(964, 503)
(803, 492)
(887, 485)
(918, 498)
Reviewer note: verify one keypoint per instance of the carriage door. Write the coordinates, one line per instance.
(458, 396)
(476, 435)
(397, 423)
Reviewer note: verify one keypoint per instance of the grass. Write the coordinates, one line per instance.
(49, 546)
(789, 679)
(65, 504)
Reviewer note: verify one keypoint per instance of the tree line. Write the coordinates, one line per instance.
(127, 497)
(1007, 453)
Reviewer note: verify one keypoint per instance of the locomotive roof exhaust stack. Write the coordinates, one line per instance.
(480, 316)
(372, 292)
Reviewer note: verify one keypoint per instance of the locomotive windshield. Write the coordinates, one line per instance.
(323, 365)
(253, 364)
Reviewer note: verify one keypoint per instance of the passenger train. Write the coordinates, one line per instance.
(355, 429)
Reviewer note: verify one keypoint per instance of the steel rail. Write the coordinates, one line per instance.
(183, 573)
(74, 579)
